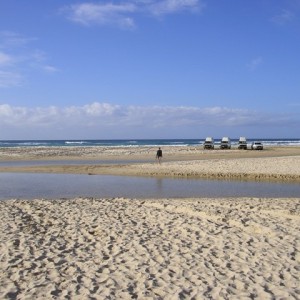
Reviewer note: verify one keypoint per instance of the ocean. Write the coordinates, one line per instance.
(138, 142)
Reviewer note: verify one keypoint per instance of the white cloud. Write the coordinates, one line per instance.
(123, 14)
(96, 118)
(9, 114)
(174, 6)
(108, 13)
(50, 69)
(100, 109)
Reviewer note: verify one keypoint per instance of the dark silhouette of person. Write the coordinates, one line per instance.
(159, 155)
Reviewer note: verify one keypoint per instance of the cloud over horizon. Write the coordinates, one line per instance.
(106, 117)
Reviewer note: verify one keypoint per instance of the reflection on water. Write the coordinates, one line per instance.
(30, 186)
(26, 163)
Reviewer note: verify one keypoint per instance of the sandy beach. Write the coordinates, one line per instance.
(281, 163)
(119, 248)
(151, 249)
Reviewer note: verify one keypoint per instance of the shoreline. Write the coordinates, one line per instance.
(194, 248)
(271, 164)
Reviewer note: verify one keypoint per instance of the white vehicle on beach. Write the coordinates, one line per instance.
(225, 143)
(209, 143)
(257, 146)
(242, 143)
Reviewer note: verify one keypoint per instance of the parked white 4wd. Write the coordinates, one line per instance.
(209, 143)
(242, 143)
(225, 143)
(257, 146)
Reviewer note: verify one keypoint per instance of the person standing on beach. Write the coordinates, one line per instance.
(159, 155)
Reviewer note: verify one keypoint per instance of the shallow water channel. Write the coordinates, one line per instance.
(49, 186)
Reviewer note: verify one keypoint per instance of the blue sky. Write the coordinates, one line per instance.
(149, 69)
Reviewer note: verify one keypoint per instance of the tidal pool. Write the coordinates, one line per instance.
(50, 186)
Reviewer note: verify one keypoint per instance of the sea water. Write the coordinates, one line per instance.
(139, 142)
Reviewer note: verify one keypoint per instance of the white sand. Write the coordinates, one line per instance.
(150, 249)
(170, 153)
(259, 168)
(283, 168)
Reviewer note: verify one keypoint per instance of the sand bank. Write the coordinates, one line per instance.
(150, 249)
(272, 164)
(171, 153)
